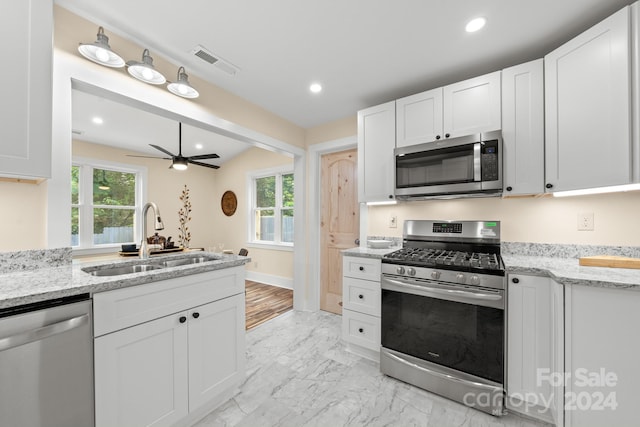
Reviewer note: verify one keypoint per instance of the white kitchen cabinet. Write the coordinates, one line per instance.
(523, 128)
(587, 108)
(534, 318)
(602, 350)
(26, 42)
(168, 351)
(376, 163)
(459, 109)
(361, 306)
(419, 118)
(472, 106)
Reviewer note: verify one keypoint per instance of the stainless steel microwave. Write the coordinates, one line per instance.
(468, 166)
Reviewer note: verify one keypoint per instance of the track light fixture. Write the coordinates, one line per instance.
(100, 52)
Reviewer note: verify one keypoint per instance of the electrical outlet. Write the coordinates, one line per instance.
(393, 221)
(585, 221)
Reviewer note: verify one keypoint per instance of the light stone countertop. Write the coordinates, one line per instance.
(41, 284)
(363, 252)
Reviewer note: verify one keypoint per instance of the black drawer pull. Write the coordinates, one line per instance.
(515, 280)
(360, 330)
(361, 268)
(361, 296)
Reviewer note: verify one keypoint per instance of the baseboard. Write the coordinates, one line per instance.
(269, 279)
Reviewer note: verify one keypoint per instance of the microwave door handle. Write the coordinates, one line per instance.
(477, 172)
(451, 292)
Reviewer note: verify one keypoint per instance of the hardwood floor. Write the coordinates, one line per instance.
(264, 302)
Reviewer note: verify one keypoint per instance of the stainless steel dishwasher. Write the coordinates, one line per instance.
(46, 364)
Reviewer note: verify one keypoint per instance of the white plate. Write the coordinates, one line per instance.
(379, 244)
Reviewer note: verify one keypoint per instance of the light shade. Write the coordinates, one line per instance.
(145, 71)
(100, 52)
(182, 87)
(179, 163)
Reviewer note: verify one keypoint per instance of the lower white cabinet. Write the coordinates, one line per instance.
(172, 369)
(534, 320)
(361, 306)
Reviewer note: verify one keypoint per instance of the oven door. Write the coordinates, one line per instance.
(459, 327)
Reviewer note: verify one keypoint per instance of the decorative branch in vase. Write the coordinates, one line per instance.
(184, 216)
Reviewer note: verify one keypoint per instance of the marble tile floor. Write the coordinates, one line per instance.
(299, 374)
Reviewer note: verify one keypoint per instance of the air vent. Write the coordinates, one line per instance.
(215, 60)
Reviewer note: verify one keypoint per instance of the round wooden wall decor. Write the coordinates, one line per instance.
(229, 203)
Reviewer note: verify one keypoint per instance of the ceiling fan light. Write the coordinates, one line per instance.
(182, 87)
(145, 71)
(179, 164)
(100, 52)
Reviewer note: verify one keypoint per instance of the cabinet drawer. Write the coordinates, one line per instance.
(361, 268)
(361, 329)
(362, 296)
(122, 308)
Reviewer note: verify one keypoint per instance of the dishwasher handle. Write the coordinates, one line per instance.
(43, 332)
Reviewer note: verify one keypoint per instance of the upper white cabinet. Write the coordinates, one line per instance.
(472, 106)
(587, 108)
(463, 108)
(376, 141)
(523, 128)
(26, 37)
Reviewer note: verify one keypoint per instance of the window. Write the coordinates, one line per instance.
(106, 201)
(271, 219)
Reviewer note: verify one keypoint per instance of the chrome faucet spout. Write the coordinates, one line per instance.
(144, 248)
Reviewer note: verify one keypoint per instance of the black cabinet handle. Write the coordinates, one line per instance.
(391, 196)
(182, 319)
(549, 185)
(360, 330)
(515, 280)
(361, 296)
(509, 188)
(361, 268)
(446, 135)
(437, 136)
(196, 315)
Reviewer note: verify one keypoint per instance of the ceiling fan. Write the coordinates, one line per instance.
(180, 162)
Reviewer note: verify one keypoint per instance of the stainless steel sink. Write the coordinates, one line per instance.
(187, 261)
(128, 269)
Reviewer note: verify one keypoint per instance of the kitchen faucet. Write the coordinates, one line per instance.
(144, 249)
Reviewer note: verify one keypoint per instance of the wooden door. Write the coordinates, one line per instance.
(339, 223)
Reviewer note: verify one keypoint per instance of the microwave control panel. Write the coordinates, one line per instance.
(489, 160)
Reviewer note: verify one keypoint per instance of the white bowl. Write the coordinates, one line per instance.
(379, 244)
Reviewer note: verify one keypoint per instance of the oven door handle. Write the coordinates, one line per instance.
(474, 384)
(424, 290)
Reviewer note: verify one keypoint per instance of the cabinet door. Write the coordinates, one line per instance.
(216, 349)
(587, 98)
(141, 374)
(529, 338)
(376, 163)
(472, 106)
(26, 37)
(419, 118)
(523, 128)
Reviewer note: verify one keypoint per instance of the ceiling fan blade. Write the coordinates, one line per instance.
(206, 165)
(157, 147)
(204, 157)
(149, 157)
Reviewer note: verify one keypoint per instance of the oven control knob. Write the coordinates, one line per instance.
(400, 270)
(435, 275)
(411, 271)
(474, 280)
(460, 277)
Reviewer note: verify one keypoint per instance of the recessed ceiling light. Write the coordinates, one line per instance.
(315, 88)
(475, 24)
(198, 146)
(97, 120)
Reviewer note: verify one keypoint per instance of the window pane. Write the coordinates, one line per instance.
(74, 227)
(266, 192)
(265, 224)
(287, 225)
(287, 190)
(114, 188)
(75, 173)
(112, 226)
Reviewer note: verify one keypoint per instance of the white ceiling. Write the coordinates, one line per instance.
(133, 129)
(364, 52)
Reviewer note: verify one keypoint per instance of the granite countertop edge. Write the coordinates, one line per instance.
(24, 287)
(565, 271)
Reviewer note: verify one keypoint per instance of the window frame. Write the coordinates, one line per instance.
(86, 207)
(252, 176)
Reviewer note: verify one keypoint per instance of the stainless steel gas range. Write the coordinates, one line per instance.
(443, 311)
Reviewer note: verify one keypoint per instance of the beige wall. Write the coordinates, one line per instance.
(541, 220)
(23, 216)
(232, 231)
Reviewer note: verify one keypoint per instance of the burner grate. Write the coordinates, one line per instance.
(428, 257)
